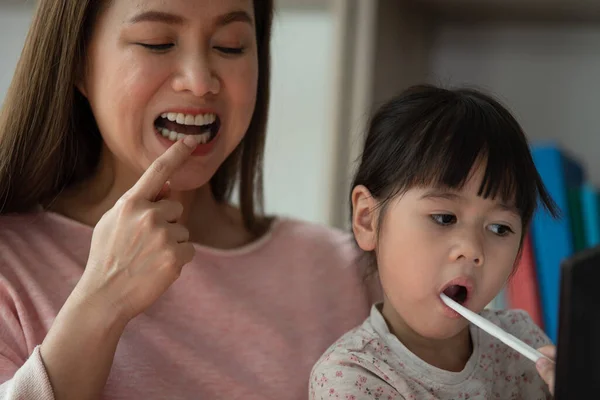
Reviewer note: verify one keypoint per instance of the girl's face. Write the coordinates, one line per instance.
(434, 240)
(157, 70)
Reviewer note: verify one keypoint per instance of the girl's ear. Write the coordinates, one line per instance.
(364, 218)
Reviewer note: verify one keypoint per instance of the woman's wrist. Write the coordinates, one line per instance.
(79, 349)
(97, 309)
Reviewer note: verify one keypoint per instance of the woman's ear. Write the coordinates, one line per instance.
(364, 218)
(81, 87)
(80, 82)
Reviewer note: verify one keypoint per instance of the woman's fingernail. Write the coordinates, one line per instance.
(190, 141)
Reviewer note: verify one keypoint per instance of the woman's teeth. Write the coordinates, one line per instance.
(186, 119)
(174, 136)
(199, 126)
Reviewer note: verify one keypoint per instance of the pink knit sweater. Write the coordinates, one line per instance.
(239, 324)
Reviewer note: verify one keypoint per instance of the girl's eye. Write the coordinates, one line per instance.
(230, 50)
(157, 47)
(501, 230)
(443, 219)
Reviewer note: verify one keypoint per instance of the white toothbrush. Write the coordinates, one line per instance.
(495, 331)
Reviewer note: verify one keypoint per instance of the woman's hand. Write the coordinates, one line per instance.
(138, 250)
(545, 368)
(139, 247)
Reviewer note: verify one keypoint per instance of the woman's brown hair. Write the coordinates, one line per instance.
(49, 139)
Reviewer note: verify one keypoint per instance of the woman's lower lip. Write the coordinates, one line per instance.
(200, 150)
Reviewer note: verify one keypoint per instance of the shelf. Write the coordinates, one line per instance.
(576, 11)
(300, 4)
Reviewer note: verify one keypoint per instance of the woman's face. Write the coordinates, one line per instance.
(157, 70)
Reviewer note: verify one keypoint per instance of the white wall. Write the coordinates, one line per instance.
(14, 22)
(300, 143)
(549, 77)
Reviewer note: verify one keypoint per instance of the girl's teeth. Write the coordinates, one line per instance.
(173, 136)
(180, 119)
(171, 116)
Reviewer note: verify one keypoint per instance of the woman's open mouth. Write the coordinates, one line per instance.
(175, 126)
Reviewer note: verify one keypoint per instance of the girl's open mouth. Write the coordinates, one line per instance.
(458, 293)
(460, 290)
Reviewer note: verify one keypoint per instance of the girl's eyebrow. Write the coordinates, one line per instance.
(441, 194)
(446, 194)
(508, 207)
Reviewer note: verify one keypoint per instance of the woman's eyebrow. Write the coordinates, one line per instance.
(173, 19)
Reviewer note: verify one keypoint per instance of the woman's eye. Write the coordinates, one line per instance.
(157, 47)
(443, 219)
(501, 230)
(230, 50)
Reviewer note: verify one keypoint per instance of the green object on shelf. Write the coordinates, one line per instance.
(576, 218)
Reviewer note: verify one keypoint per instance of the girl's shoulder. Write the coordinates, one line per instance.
(519, 324)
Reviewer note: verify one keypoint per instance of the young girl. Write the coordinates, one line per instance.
(442, 198)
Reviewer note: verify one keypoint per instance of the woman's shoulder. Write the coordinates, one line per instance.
(16, 227)
(34, 240)
(39, 266)
(34, 224)
(311, 233)
(315, 238)
(326, 256)
(18, 244)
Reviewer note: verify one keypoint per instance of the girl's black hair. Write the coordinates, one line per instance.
(430, 136)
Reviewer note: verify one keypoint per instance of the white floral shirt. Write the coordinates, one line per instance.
(371, 363)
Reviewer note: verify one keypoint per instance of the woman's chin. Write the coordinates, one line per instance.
(185, 182)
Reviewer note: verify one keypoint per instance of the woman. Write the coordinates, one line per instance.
(122, 136)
